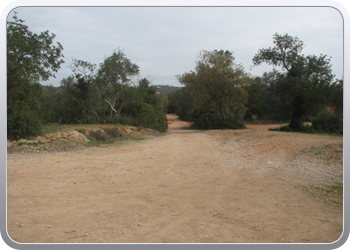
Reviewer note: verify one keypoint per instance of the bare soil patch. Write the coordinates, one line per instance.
(188, 186)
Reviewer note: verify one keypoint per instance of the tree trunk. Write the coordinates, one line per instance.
(111, 106)
(298, 114)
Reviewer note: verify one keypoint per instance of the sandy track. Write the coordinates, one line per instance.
(187, 187)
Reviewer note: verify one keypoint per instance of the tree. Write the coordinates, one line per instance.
(337, 97)
(306, 80)
(216, 85)
(180, 103)
(113, 80)
(31, 58)
(86, 74)
(258, 101)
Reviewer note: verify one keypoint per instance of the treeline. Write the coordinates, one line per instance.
(93, 95)
(104, 93)
(219, 94)
(81, 100)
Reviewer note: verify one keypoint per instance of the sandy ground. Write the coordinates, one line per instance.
(187, 186)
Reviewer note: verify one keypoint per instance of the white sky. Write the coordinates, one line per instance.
(166, 41)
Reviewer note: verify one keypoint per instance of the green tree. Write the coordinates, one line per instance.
(180, 103)
(114, 79)
(216, 85)
(337, 97)
(31, 58)
(85, 74)
(306, 80)
(151, 95)
(258, 101)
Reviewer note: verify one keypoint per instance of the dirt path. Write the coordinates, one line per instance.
(185, 187)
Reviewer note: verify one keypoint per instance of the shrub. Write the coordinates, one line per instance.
(212, 119)
(328, 122)
(151, 117)
(113, 132)
(98, 135)
(22, 122)
(119, 119)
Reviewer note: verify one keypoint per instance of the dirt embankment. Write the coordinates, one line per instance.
(188, 186)
(76, 137)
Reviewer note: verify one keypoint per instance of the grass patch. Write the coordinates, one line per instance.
(329, 194)
(51, 129)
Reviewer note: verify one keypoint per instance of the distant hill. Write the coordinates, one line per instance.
(165, 89)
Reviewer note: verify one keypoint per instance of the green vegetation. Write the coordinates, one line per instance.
(91, 95)
(302, 90)
(217, 94)
(30, 58)
(329, 194)
(214, 95)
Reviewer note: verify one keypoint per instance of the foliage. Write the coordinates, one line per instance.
(305, 81)
(259, 98)
(22, 122)
(328, 122)
(31, 58)
(150, 117)
(336, 97)
(113, 132)
(113, 79)
(216, 94)
(215, 87)
(180, 103)
(81, 101)
(212, 119)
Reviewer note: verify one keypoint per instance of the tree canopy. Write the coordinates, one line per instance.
(217, 94)
(216, 86)
(305, 85)
(31, 58)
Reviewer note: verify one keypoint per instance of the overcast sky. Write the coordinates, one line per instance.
(166, 41)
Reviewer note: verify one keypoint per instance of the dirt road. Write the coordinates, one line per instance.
(187, 186)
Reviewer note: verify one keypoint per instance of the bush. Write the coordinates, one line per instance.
(325, 122)
(328, 122)
(119, 119)
(22, 122)
(113, 132)
(153, 118)
(212, 119)
(98, 135)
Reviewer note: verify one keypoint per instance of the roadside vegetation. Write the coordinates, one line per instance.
(331, 195)
(217, 94)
